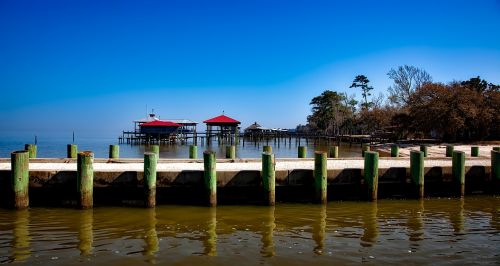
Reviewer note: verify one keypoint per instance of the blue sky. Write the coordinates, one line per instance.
(94, 66)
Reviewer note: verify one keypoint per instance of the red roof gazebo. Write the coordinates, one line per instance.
(160, 123)
(222, 120)
(225, 127)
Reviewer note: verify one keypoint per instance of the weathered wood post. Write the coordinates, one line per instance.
(114, 151)
(458, 170)
(231, 152)
(268, 177)
(334, 152)
(150, 161)
(302, 152)
(268, 149)
(474, 151)
(364, 148)
(85, 179)
(19, 163)
(495, 165)
(417, 171)
(424, 149)
(394, 150)
(156, 149)
(31, 148)
(210, 177)
(193, 152)
(72, 150)
(449, 150)
(320, 177)
(371, 173)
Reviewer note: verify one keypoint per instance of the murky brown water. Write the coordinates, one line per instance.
(437, 231)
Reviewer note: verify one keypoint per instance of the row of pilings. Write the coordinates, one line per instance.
(237, 138)
(85, 173)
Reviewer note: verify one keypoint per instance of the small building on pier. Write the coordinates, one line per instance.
(187, 126)
(153, 129)
(222, 126)
(257, 130)
(159, 130)
(253, 129)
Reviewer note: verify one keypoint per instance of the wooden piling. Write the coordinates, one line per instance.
(231, 152)
(150, 161)
(302, 152)
(417, 171)
(114, 152)
(193, 152)
(449, 150)
(210, 177)
(268, 177)
(371, 173)
(156, 149)
(495, 165)
(458, 169)
(268, 149)
(364, 148)
(424, 149)
(334, 152)
(320, 177)
(394, 150)
(19, 161)
(85, 179)
(72, 151)
(474, 151)
(31, 148)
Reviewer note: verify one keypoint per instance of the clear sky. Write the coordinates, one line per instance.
(94, 66)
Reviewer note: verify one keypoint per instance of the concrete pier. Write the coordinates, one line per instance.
(119, 182)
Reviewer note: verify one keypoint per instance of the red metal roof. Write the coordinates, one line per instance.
(221, 119)
(159, 123)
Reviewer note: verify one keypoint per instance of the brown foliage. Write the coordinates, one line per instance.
(454, 111)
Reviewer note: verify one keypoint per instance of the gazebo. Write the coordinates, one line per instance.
(222, 126)
(158, 129)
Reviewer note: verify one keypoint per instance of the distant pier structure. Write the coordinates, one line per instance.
(152, 129)
(224, 128)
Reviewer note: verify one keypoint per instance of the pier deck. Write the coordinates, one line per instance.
(289, 164)
(181, 181)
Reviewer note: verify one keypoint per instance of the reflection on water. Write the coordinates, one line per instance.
(85, 235)
(268, 227)
(452, 231)
(210, 238)
(318, 230)
(370, 225)
(416, 224)
(456, 214)
(151, 236)
(21, 236)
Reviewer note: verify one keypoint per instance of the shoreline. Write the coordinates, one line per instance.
(436, 151)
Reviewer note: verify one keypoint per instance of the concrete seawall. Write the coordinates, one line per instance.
(119, 182)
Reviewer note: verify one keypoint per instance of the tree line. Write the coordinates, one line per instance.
(415, 107)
